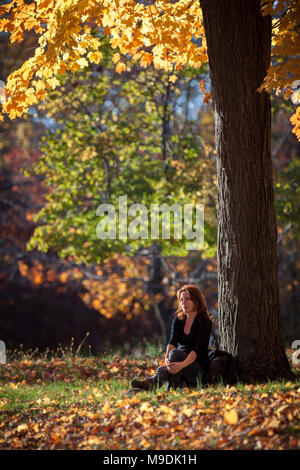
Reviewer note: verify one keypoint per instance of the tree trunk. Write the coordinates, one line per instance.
(239, 44)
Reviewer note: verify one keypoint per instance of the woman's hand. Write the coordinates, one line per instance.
(174, 367)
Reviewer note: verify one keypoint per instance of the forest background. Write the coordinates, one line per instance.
(105, 131)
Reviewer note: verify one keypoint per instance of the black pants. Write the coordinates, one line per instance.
(187, 377)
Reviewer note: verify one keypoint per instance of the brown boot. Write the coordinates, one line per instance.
(146, 384)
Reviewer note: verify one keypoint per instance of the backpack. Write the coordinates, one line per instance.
(222, 366)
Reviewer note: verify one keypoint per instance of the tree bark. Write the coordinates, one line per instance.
(239, 46)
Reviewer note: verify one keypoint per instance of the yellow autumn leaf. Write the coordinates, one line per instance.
(93, 440)
(145, 443)
(95, 57)
(116, 58)
(82, 62)
(106, 407)
(146, 407)
(208, 411)
(22, 427)
(231, 417)
(273, 423)
(120, 67)
(12, 385)
(172, 78)
(187, 411)
(134, 400)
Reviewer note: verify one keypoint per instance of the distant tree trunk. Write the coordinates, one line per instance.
(239, 44)
(155, 286)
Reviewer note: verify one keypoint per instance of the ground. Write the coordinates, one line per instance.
(70, 402)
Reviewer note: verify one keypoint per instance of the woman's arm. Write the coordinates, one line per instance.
(169, 348)
(175, 367)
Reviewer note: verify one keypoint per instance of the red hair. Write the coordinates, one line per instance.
(199, 301)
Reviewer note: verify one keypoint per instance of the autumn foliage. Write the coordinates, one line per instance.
(167, 34)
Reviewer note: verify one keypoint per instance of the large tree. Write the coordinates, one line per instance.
(236, 40)
(247, 241)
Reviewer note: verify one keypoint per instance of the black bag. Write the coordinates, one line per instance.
(222, 367)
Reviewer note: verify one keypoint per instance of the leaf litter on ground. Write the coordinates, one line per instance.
(83, 403)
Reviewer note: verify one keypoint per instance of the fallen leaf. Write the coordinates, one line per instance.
(231, 417)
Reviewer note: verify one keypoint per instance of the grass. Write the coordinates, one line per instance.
(60, 393)
(61, 400)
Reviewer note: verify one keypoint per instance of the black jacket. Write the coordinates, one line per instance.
(196, 341)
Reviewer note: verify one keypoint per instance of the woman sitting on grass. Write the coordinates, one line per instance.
(186, 356)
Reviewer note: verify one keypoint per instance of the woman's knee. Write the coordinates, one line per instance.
(175, 355)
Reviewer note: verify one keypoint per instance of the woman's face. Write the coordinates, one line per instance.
(186, 303)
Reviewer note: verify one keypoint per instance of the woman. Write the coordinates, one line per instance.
(186, 355)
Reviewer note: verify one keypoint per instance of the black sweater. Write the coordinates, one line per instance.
(196, 341)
